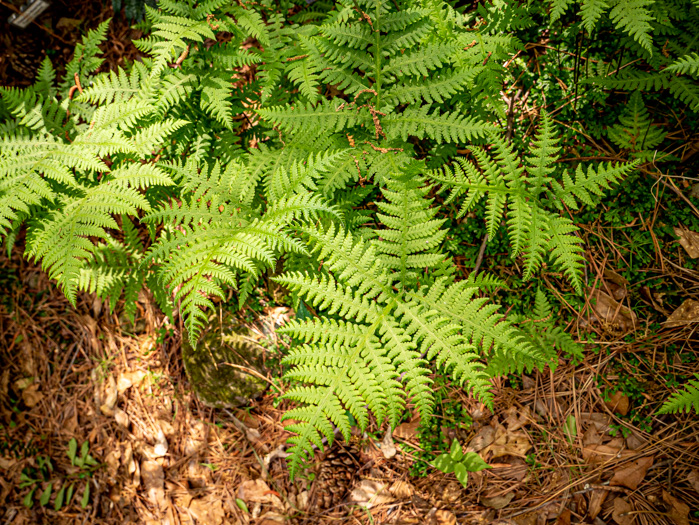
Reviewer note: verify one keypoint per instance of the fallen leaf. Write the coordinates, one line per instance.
(591, 437)
(161, 446)
(388, 449)
(440, 517)
(597, 498)
(563, 518)
(402, 489)
(618, 402)
(370, 493)
(621, 512)
(257, 491)
(31, 395)
(407, 431)
(121, 418)
(693, 478)
(610, 313)
(689, 241)
(508, 444)
(109, 396)
(23, 383)
(153, 479)
(516, 419)
(497, 502)
(7, 463)
(601, 453)
(483, 438)
(678, 511)
(600, 421)
(271, 518)
(631, 475)
(128, 379)
(207, 511)
(688, 312)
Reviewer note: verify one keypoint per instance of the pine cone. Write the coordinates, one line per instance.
(335, 477)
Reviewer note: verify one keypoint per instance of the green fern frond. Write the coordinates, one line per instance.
(591, 11)
(437, 125)
(635, 131)
(634, 18)
(686, 65)
(684, 400)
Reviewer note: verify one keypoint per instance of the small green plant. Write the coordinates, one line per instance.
(684, 400)
(459, 463)
(43, 474)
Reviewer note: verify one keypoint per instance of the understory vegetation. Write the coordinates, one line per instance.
(445, 193)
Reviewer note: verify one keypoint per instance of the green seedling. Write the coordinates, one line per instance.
(459, 463)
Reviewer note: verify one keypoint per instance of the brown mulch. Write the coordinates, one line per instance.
(54, 34)
(164, 457)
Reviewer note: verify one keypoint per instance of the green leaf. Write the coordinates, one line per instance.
(27, 501)
(86, 496)
(474, 463)
(570, 428)
(69, 495)
(445, 463)
(58, 503)
(461, 473)
(241, 505)
(46, 495)
(72, 449)
(456, 452)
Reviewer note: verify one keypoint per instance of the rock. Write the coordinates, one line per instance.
(225, 372)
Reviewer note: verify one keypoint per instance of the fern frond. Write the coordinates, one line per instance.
(684, 400)
(686, 65)
(437, 125)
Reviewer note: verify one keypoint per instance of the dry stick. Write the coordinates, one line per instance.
(481, 252)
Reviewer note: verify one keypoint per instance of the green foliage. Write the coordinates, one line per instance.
(684, 400)
(527, 188)
(459, 463)
(635, 131)
(311, 156)
(43, 475)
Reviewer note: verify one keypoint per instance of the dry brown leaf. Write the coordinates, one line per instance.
(153, 479)
(563, 518)
(402, 489)
(257, 491)
(388, 449)
(689, 240)
(631, 475)
(610, 313)
(621, 512)
(688, 312)
(207, 511)
(109, 396)
(128, 379)
(618, 402)
(508, 444)
(600, 421)
(271, 518)
(440, 517)
(31, 395)
(6, 463)
(516, 419)
(597, 498)
(370, 493)
(678, 510)
(591, 436)
(121, 418)
(407, 431)
(693, 478)
(497, 502)
(483, 438)
(601, 453)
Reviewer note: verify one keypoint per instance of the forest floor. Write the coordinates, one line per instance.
(579, 444)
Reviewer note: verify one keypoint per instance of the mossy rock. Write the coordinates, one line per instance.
(223, 369)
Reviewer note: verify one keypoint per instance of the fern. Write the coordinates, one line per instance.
(635, 131)
(684, 400)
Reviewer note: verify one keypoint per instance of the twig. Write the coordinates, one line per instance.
(481, 252)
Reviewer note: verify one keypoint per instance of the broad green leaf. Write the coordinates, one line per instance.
(445, 463)
(570, 428)
(461, 473)
(46, 495)
(72, 449)
(456, 453)
(86, 496)
(27, 501)
(69, 495)
(474, 463)
(58, 503)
